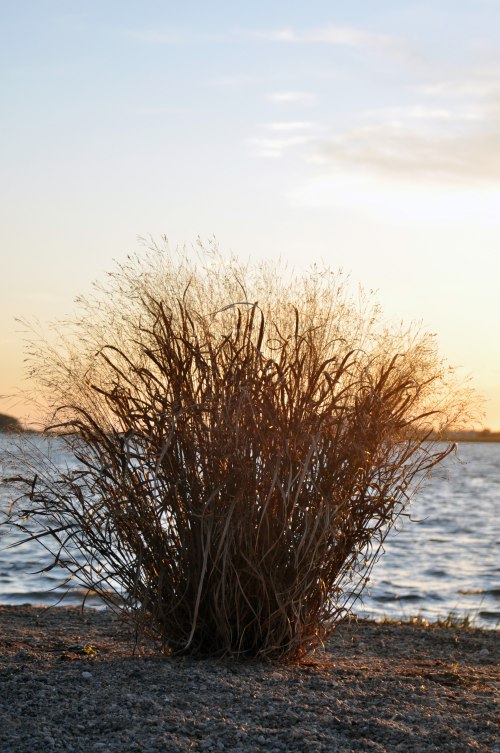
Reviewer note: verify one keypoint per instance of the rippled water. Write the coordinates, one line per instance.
(446, 562)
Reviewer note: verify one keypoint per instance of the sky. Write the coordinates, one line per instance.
(361, 135)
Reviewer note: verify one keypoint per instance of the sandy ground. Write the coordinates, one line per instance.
(69, 682)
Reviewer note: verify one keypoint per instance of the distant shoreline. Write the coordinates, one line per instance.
(471, 436)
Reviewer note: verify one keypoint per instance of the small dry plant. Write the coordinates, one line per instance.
(242, 444)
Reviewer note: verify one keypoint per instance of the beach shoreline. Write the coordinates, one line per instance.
(72, 682)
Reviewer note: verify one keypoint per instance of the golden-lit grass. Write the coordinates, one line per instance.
(244, 444)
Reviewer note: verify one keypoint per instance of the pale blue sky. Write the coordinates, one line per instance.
(364, 135)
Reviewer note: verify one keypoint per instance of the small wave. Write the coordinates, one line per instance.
(486, 591)
(53, 597)
(436, 573)
(34, 598)
(487, 615)
(407, 597)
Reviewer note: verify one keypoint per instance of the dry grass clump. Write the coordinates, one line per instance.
(242, 446)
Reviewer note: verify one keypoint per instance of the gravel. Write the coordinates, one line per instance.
(71, 682)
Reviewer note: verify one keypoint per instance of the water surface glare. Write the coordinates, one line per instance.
(444, 560)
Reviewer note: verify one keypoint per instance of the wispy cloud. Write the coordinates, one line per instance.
(454, 116)
(304, 99)
(282, 136)
(471, 155)
(452, 136)
(341, 36)
(471, 94)
(479, 85)
(449, 137)
(274, 148)
(409, 113)
(344, 36)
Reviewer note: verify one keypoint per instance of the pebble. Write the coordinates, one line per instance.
(87, 675)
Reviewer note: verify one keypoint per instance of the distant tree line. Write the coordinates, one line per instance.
(485, 435)
(9, 423)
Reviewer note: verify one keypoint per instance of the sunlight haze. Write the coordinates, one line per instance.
(363, 136)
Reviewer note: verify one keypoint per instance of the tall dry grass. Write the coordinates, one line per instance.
(243, 443)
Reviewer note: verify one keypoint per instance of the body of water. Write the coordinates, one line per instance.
(443, 560)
